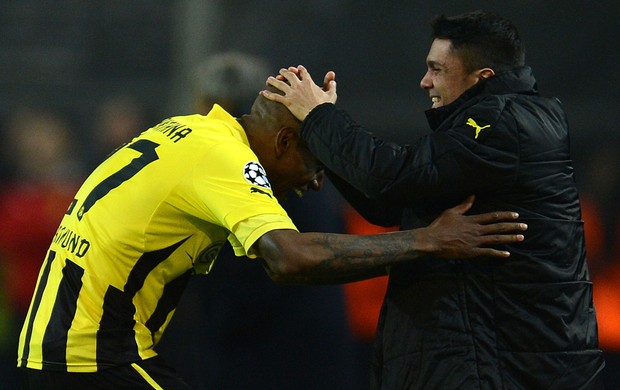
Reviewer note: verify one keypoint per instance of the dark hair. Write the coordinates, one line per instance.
(482, 39)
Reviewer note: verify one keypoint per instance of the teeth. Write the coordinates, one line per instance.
(435, 99)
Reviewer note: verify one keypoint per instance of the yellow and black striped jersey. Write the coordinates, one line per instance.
(155, 212)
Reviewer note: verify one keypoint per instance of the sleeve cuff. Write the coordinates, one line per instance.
(314, 115)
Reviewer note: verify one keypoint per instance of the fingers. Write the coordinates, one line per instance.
(489, 252)
(298, 74)
(495, 216)
(499, 239)
(299, 92)
(276, 97)
(329, 81)
(285, 76)
(329, 76)
(281, 82)
(503, 227)
(284, 80)
(303, 74)
(492, 236)
(290, 69)
(282, 85)
(331, 91)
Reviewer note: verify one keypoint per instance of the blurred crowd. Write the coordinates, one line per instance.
(235, 328)
(42, 166)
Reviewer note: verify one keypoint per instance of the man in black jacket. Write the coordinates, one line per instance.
(527, 323)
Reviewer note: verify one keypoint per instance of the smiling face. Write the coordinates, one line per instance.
(446, 77)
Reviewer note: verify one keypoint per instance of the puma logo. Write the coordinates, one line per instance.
(473, 124)
(254, 189)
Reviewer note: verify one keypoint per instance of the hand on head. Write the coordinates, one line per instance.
(329, 81)
(300, 93)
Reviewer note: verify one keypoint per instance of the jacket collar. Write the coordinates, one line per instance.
(517, 80)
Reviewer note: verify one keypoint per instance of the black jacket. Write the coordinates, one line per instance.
(527, 322)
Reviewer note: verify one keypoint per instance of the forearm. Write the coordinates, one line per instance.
(303, 279)
(293, 257)
(315, 258)
(368, 163)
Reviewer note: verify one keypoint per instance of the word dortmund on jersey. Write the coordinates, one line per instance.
(155, 212)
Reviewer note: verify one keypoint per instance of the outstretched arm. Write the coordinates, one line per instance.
(316, 258)
(301, 94)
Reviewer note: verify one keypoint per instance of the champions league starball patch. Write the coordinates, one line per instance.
(255, 174)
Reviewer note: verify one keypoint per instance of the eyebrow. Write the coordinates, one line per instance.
(432, 63)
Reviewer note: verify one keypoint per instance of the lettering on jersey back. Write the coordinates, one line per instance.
(71, 241)
(173, 130)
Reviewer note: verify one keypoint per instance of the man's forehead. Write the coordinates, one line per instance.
(442, 54)
(440, 48)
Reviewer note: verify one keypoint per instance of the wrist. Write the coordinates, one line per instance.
(318, 108)
(423, 241)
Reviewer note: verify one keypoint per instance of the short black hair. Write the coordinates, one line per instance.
(482, 39)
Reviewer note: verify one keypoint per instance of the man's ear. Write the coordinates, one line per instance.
(285, 140)
(485, 73)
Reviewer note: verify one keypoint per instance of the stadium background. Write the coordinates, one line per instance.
(70, 56)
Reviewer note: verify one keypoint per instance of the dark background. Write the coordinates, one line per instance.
(73, 53)
(70, 55)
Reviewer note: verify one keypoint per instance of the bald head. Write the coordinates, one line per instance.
(272, 115)
(273, 134)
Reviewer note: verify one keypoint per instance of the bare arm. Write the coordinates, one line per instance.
(315, 258)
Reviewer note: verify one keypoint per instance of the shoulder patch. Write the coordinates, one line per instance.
(255, 174)
(478, 128)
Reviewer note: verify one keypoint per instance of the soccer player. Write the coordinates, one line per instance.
(158, 210)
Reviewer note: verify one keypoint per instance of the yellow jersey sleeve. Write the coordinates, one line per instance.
(231, 187)
(251, 229)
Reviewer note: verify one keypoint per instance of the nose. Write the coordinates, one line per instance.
(426, 82)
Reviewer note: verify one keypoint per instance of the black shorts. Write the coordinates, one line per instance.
(147, 374)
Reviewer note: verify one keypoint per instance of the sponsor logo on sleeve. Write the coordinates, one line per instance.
(255, 190)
